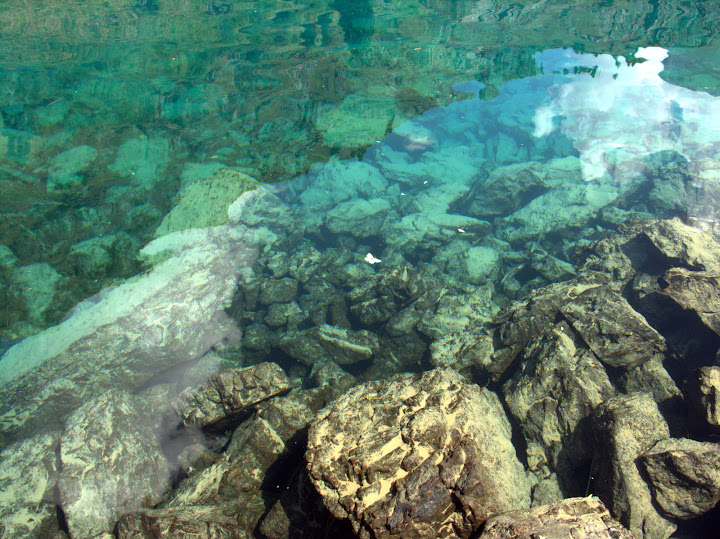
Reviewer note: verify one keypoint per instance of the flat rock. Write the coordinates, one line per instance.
(229, 394)
(408, 457)
(112, 464)
(572, 517)
(684, 476)
(358, 217)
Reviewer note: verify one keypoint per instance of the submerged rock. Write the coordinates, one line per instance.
(626, 427)
(572, 517)
(684, 476)
(329, 343)
(112, 464)
(407, 456)
(229, 394)
(28, 475)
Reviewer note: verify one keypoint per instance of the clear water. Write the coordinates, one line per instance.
(383, 133)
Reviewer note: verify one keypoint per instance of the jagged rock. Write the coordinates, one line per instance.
(358, 217)
(618, 335)
(378, 299)
(242, 479)
(329, 343)
(206, 522)
(572, 517)
(278, 291)
(650, 377)
(653, 248)
(66, 168)
(126, 335)
(555, 390)
(332, 379)
(684, 303)
(280, 314)
(230, 394)
(28, 475)
(112, 464)
(702, 393)
(407, 457)
(684, 476)
(626, 427)
(463, 349)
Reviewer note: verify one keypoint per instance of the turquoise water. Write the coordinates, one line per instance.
(471, 147)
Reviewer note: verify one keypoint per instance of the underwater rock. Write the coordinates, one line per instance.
(97, 257)
(28, 475)
(66, 167)
(407, 456)
(329, 343)
(281, 314)
(455, 313)
(481, 264)
(180, 523)
(143, 159)
(112, 464)
(557, 386)
(572, 517)
(626, 427)
(205, 202)
(617, 335)
(248, 471)
(229, 394)
(37, 284)
(278, 290)
(358, 217)
(702, 394)
(559, 211)
(654, 247)
(684, 476)
(332, 379)
(8, 260)
(686, 303)
(128, 334)
(650, 377)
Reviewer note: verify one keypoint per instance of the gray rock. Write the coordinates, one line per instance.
(684, 476)
(702, 394)
(28, 475)
(556, 388)
(407, 457)
(278, 291)
(329, 343)
(112, 464)
(280, 314)
(229, 395)
(626, 427)
(456, 313)
(572, 517)
(618, 335)
(358, 217)
(37, 284)
(130, 333)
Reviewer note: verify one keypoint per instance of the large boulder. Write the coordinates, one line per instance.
(416, 455)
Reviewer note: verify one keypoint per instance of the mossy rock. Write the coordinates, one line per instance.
(205, 202)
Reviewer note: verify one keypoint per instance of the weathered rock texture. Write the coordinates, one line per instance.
(28, 474)
(426, 455)
(684, 476)
(112, 464)
(229, 394)
(625, 428)
(572, 517)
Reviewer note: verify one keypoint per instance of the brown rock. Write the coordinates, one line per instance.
(230, 394)
(572, 517)
(408, 457)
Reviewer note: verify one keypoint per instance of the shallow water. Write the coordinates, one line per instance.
(479, 146)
